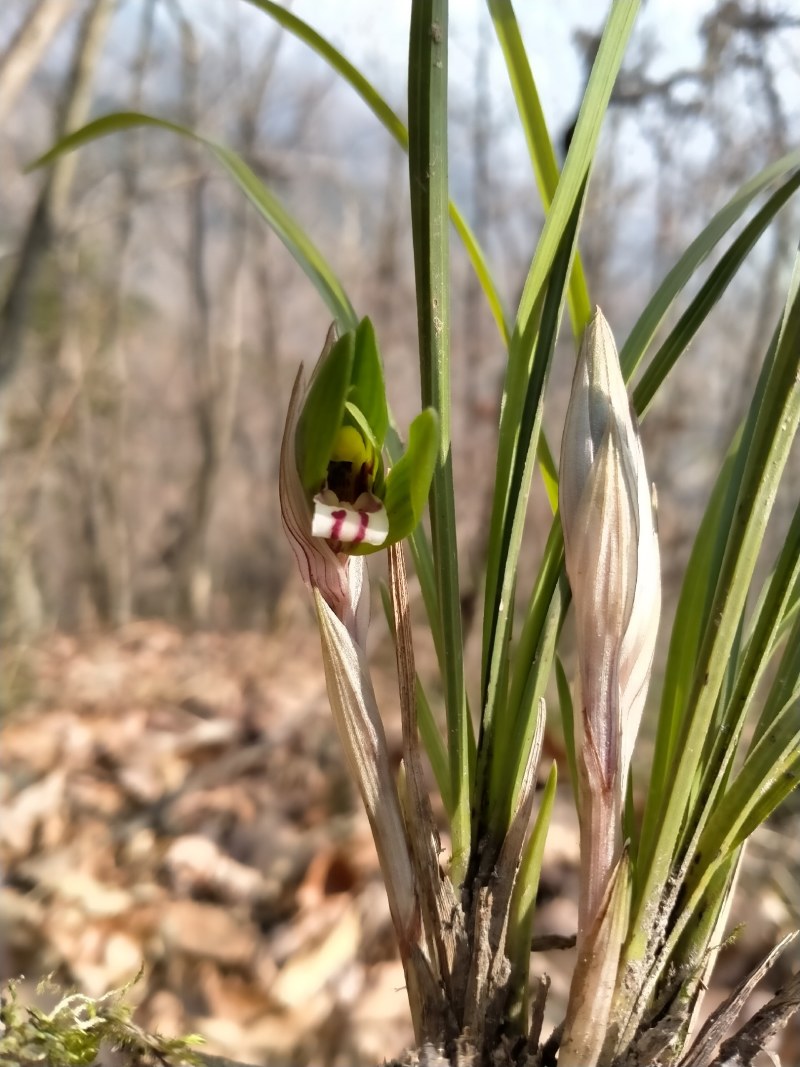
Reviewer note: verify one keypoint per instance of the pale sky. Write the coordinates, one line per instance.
(374, 36)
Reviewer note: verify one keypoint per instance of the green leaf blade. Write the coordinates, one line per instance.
(428, 173)
(644, 330)
(397, 129)
(710, 292)
(303, 250)
(774, 418)
(540, 146)
(523, 904)
(569, 193)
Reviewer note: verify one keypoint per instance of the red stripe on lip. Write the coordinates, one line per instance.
(364, 519)
(338, 522)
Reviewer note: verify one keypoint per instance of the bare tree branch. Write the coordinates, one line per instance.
(26, 48)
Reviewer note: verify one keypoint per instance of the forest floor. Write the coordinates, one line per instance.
(179, 802)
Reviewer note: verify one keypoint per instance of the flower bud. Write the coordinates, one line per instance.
(612, 561)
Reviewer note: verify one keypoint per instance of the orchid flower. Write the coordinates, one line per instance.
(357, 506)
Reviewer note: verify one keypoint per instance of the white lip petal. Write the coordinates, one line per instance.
(365, 521)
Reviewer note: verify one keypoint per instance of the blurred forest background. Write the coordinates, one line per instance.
(151, 325)
(150, 329)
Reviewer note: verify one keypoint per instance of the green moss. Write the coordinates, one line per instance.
(78, 1029)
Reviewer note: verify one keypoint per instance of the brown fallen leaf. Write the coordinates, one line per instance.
(207, 931)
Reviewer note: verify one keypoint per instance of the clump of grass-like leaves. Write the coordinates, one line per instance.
(655, 892)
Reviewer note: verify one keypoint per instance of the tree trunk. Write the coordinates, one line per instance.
(46, 220)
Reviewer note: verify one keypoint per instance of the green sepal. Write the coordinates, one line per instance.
(409, 481)
(323, 413)
(367, 387)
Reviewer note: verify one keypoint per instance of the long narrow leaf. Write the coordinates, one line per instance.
(785, 682)
(427, 155)
(696, 594)
(754, 663)
(570, 189)
(644, 330)
(288, 230)
(776, 425)
(790, 616)
(309, 258)
(767, 776)
(503, 724)
(523, 905)
(540, 147)
(716, 284)
(551, 571)
(393, 124)
(691, 615)
(521, 731)
(696, 601)
(429, 731)
(704, 935)
(568, 721)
